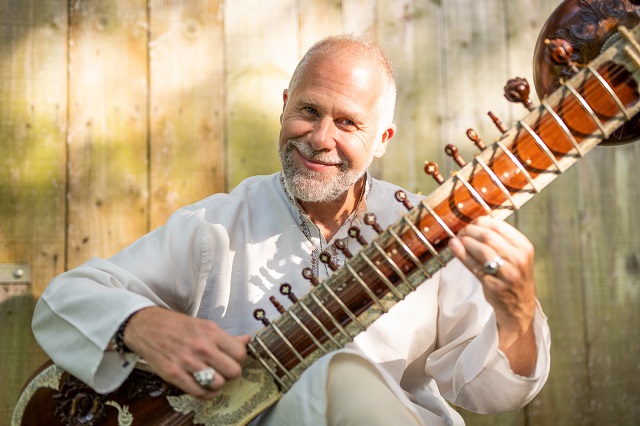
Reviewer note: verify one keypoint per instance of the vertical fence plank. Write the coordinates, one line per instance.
(610, 240)
(551, 222)
(358, 17)
(317, 19)
(411, 31)
(261, 44)
(187, 104)
(33, 108)
(108, 183)
(33, 113)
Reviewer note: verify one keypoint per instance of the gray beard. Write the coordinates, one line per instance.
(309, 186)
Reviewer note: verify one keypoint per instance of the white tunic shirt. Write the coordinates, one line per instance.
(224, 256)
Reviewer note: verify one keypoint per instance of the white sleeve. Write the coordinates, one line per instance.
(80, 310)
(470, 370)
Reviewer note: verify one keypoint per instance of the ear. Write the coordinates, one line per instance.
(285, 98)
(384, 140)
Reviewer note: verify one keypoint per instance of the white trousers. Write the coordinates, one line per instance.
(354, 394)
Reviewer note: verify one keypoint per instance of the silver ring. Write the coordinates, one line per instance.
(205, 377)
(491, 266)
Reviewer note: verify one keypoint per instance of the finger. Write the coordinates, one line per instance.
(483, 242)
(224, 352)
(185, 380)
(459, 249)
(234, 346)
(214, 385)
(510, 234)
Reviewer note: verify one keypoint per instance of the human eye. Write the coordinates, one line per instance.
(310, 110)
(347, 124)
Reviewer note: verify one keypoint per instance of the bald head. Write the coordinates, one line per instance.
(367, 54)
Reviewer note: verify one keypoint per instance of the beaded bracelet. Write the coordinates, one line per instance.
(118, 344)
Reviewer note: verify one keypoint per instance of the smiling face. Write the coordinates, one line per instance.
(333, 125)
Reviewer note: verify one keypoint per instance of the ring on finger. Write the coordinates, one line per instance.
(491, 267)
(205, 377)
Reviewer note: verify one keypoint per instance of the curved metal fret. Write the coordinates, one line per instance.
(543, 146)
(519, 165)
(393, 264)
(633, 44)
(382, 276)
(366, 288)
(273, 357)
(425, 242)
(393, 289)
(475, 195)
(496, 180)
(564, 127)
(610, 91)
(411, 254)
(331, 317)
(288, 343)
(317, 321)
(344, 307)
(309, 333)
(587, 109)
(439, 220)
(266, 365)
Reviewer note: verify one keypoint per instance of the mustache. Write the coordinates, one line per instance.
(322, 157)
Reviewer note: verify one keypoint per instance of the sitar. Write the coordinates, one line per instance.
(585, 110)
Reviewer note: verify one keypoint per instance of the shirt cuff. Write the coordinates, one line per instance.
(494, 372)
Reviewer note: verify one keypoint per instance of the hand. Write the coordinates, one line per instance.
(175, 346)
(511, 290)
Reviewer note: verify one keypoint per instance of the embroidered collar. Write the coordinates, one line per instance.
(304, 223)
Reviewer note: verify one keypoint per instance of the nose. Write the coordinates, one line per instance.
(323, 134)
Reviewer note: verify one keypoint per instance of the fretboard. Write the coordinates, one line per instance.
(583, 112)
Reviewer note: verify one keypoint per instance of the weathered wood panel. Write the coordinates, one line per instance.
(609, 238)
(474, 53)
(33, 107)
(262, 50)
(551, 222)
(18, 357)
(186, 84)
(108, 119)
(170, 101)
(548, 221)
(410, 32)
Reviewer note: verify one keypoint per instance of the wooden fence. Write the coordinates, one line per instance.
(113, 113)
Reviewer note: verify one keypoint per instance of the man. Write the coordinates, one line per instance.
(480, 341)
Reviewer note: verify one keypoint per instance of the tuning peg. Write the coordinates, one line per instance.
(475, 138)
(285, 289)
(261, 316)
(308, 274)
(371, 220)
(327, 260)
(517, 91)
(277, 304)
(342, 246)
(431, 169)
(561, 51)
(402, 197)
(354, 232)
(497, 122)
(452, 151)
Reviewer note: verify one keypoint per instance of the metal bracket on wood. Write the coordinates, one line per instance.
(15, 273)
